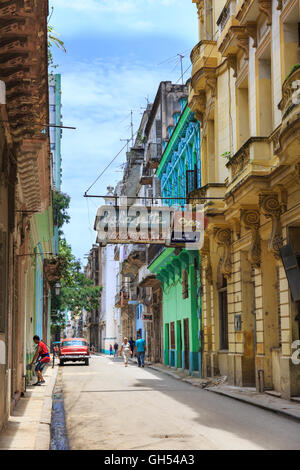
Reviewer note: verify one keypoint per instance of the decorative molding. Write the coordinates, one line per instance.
(239, 161)
(272, 209)
(232, 63)
(251, 29)
(265, 6)
(211, 82)
(198, 106)
(206, 261)
(251, 220)
(243, 43)
(223, 238)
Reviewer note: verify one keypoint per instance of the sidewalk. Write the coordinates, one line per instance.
(28, 427)
(266, 401)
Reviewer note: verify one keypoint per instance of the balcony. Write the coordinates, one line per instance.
(235, 38)
(210, 190)
(153, 155)
(290, 109)
(136, 259)
(250, 10)
(121, 299)
(254, 157)
(204, 59)
(147, 176)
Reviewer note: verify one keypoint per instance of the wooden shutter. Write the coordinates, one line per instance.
(158, 131)
(185, 284)
(172, 326)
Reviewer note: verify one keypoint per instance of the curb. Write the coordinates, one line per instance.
(285, 413)
(44, 434)
(167, 372)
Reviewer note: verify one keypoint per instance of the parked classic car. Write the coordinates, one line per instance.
(74, 349)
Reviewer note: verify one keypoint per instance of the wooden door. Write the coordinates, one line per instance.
(186, 343)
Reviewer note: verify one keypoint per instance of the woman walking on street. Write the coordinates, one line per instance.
(125, 351)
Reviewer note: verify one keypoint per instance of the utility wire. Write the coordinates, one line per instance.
(205, 60)
(97, 179)
(106, 168)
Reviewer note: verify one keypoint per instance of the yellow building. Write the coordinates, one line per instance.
(244, 91)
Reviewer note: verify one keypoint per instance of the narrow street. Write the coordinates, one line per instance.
(110, 407)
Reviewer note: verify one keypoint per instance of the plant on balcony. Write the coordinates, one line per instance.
(226, 155)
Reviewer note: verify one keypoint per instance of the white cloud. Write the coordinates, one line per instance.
(128, 16)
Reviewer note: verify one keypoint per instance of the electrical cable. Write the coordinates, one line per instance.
(106, 168)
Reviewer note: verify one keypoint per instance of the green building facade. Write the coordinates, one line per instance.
(180, 278)
(179, 269)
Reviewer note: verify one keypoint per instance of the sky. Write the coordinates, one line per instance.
(118, 51)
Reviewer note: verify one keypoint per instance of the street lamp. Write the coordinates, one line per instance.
(57, 288)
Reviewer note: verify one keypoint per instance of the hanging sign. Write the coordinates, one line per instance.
(170, 226)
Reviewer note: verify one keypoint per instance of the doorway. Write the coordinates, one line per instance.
(179, 351)
(186, 343)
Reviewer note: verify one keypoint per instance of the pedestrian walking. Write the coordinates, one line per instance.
(125, 350)
(42, 356)
(116, 347)
(110, 350)
(140, 349)
(132, 344)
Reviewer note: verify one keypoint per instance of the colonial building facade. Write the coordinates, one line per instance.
(26, 211)
(243, 90)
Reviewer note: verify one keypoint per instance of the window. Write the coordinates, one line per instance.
(242, 108)
(65, 344)
(172, 327)
(265, 93)
(185, 284)
(223, 309)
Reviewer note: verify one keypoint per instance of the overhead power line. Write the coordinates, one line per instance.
(106, 168)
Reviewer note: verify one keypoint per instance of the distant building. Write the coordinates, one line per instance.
(55, 133)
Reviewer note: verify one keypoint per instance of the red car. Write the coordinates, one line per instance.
(74, 349)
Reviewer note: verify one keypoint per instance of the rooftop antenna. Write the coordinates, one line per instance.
(127, 142)
(181, 57)
(131, 125)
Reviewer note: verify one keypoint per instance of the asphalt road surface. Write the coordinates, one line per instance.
(112, 407)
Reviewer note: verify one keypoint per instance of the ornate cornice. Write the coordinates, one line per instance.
(24, 65)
